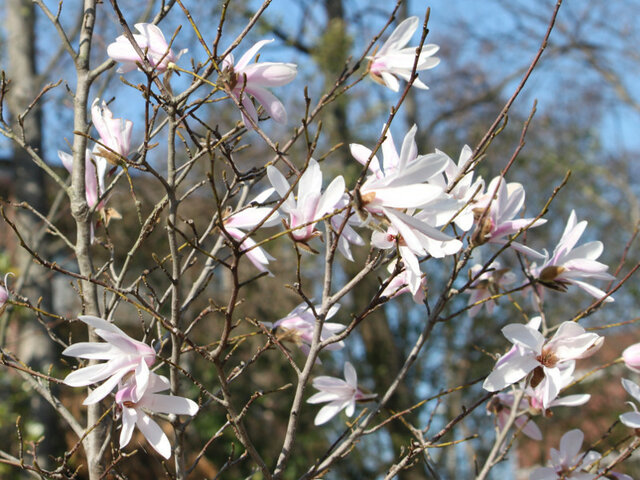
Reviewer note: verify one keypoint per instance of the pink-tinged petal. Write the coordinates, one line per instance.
(91, 350)
(122, 51)
(250, 113)
(169, 404)
(529, 428)
(400, 36)
(362, 154)
(270, 74)
(154, 36)
(154, 434)
(129, 416)
(631, 419)
(105, 389)
(250, 217)
(570, 444)
(66, 159)
(350, 375)
(327, 412)
(509, 372)
(632, 388)
(274, 107)
(258, 256)
(249, 54)
(518, 247)
(631, 357)
(525, 336)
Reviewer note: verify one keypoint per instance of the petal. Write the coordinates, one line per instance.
(249, 54)
(525, 336)
(331, 196)
(91, 350)
(631, 419)
(270, 74)
(274, 107)
(632, 388)
(390, 81)
(400, 36)
(509, 372)
(362, 154)
(570, 444)
(129, 416)
(350, 375)
(154, 434)
(169, 404)
(106, 388)
(327, 412)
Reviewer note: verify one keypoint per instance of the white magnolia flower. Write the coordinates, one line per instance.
(123, 355)
(151, 41)
(568, 462)
(310, 205)
(631, 357)
(341, 394)
(546, 359)
(571, 265)
(132, 403)
(299, 324)
(499, 221)
(247, 219)
(394, 60)
(243, 79)
(115, 133)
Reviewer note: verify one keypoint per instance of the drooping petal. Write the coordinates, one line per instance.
(274, 107)
(154, 434)
(169, 404)
(129, 417)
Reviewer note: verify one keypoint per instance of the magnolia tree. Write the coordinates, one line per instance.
(167, 387)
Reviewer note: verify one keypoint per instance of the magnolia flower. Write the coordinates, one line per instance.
(631, 357)
(299, 324)
(488, 284)
(250, 218)
(94, 172)
(568, 462)
(341, 394)
(631, 419)
(242, 79)
(4, 293)
(532, 404)
(394, 60)
(151, 41)
(131, 402)
(405, 281)
(569, 265)
(310, 205)
(498, 222)
(123, 355)
(546, 359)
(391, 158)
(115, 133)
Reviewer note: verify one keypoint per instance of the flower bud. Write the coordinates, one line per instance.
(631, 357)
